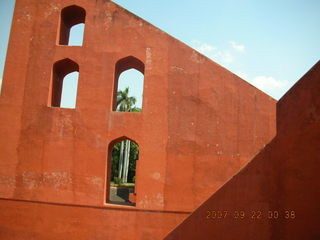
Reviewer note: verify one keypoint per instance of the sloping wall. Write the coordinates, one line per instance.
(277, 195)
(199, 124)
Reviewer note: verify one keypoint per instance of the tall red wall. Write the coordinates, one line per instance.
(200, 123)
(284, 176)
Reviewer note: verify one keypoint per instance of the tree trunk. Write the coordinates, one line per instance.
(121, 160)
(126, 161)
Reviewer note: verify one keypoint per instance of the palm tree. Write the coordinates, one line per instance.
(125, 104)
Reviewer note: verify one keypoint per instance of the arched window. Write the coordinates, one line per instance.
(64, 83)
(72, 17)
(76, 35)
(123, 154)
(128, 85)
(69, 90)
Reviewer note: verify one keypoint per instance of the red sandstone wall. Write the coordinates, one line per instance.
(284, 176)
(31, 220)
(200, 123)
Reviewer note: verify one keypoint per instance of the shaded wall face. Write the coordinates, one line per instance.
(276, 196)
(199, 125)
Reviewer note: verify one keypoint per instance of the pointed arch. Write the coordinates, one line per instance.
(70, 16)
(59, 71)
(122, 66)
(123, 153)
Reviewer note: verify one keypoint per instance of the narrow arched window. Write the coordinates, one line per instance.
(69, 90)
(76, 35)
(64, 84)
(128, 85)
(72, 23)
(123, 154)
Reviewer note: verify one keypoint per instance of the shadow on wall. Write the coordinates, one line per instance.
(276, 196)
(121, 195)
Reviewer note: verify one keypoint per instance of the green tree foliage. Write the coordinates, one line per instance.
(124, 102)
(134, 155)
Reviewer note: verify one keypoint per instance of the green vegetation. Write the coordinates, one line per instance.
(133, 156)
(123, 184)
(126, 152)
(126, 103)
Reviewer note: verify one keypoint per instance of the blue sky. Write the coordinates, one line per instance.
(269, 43)
(6, 11)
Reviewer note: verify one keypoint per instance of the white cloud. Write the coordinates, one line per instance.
(268, 84)
(206, 48)
(242, 75)
(223, 57)
(226, 56)
(274, 87)
(236, 46)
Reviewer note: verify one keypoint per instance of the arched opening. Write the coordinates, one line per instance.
(76, 35)
(64, 84)
(123, 156)
(71, 17)
(69, 90)
(128, 85)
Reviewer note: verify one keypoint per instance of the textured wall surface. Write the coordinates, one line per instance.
(199, 126)
(277, 195)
